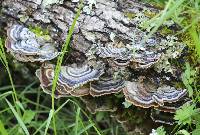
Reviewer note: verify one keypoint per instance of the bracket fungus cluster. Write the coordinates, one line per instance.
(116, 50)
(73, 80)
(25, 46)
(124, 56)
(145, 95)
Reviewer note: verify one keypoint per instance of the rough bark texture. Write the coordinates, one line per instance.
(109, 23)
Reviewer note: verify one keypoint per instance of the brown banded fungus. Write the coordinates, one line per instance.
(124, 56)
(25, 46)
(145, 95)
(45, 76)
(143, 61)
(72, 79)
(162, 117)
(172, 107)
(106, 85)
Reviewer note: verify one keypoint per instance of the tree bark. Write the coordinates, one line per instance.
(121, 20)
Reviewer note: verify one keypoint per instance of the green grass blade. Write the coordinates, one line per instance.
(64, 49)
(169, 10)
(3, 131)
(60, 58)
(49, 121)
(21, 123)
(195, 37)
(5, 62)
(61, 106)
(95, 128)
(77, 120)
(38, 129)
(4, 95)
(85, 129)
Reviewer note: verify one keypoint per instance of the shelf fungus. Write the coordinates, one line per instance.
(145, 95)
(106, 85)
(45, 76)
(113, 52)
(25, 46)
(72, 80)
(125, 56)
(142, 61)
(162, 117)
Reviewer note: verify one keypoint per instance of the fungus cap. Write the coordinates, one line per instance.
(71, 81)
(25, 46)
(106, 85)
(144, 96)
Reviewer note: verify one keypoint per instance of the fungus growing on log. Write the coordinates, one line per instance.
(25, 46)
(162, 117)
(142, 61)
(106, 85)
(145, 95)
(75, 75)
(72, 79)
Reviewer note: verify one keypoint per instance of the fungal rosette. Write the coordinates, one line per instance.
(72, 79)
(146, 96)
(172, 107)
(25, 46)
(106, 85)
(19, 32)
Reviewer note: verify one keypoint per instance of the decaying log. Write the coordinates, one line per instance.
(109, 23)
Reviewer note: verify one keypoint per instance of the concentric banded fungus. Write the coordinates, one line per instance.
(143, 95)
(172, 107)
(19, 32)
(106, 85)
(162, 117)
(76, 76)
(144, 60)
(124, 57)
(71, 80)
(45, 77)
(25, 46)
(119, 62)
